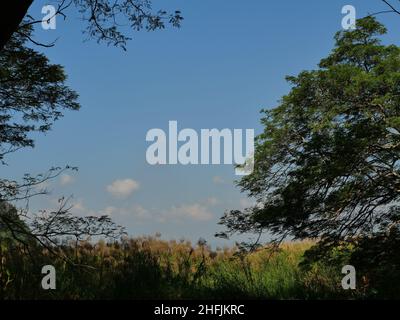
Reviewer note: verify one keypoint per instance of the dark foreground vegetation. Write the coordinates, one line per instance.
(153, 268)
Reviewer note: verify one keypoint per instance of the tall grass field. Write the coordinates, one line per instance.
(151, 268)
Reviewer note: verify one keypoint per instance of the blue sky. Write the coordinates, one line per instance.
(227, 62)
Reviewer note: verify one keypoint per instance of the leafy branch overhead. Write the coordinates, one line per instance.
(105, 18)
(106, 21)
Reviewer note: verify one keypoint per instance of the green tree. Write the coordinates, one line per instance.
(11, 226)
(327, 165)
(33, 95)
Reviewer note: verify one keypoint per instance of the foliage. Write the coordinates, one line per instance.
(104, 20)
(327, 163)
(33, 95)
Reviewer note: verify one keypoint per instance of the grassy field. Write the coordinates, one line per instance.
(156, 269)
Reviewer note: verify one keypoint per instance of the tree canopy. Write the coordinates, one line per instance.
(33, 94)
(327, 164)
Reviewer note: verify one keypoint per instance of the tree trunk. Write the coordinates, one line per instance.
(11, 14)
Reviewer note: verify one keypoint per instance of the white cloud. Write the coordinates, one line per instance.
(135, 211)
(179, 213)
(66, 179)
(43, 186)
(78, 208)
(123, 188)
(212, 201)
(194, 211)
(198, 211)
(108, 211)
(248, 203)
(218, 180)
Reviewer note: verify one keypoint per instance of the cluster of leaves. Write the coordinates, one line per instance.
(105, 19)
